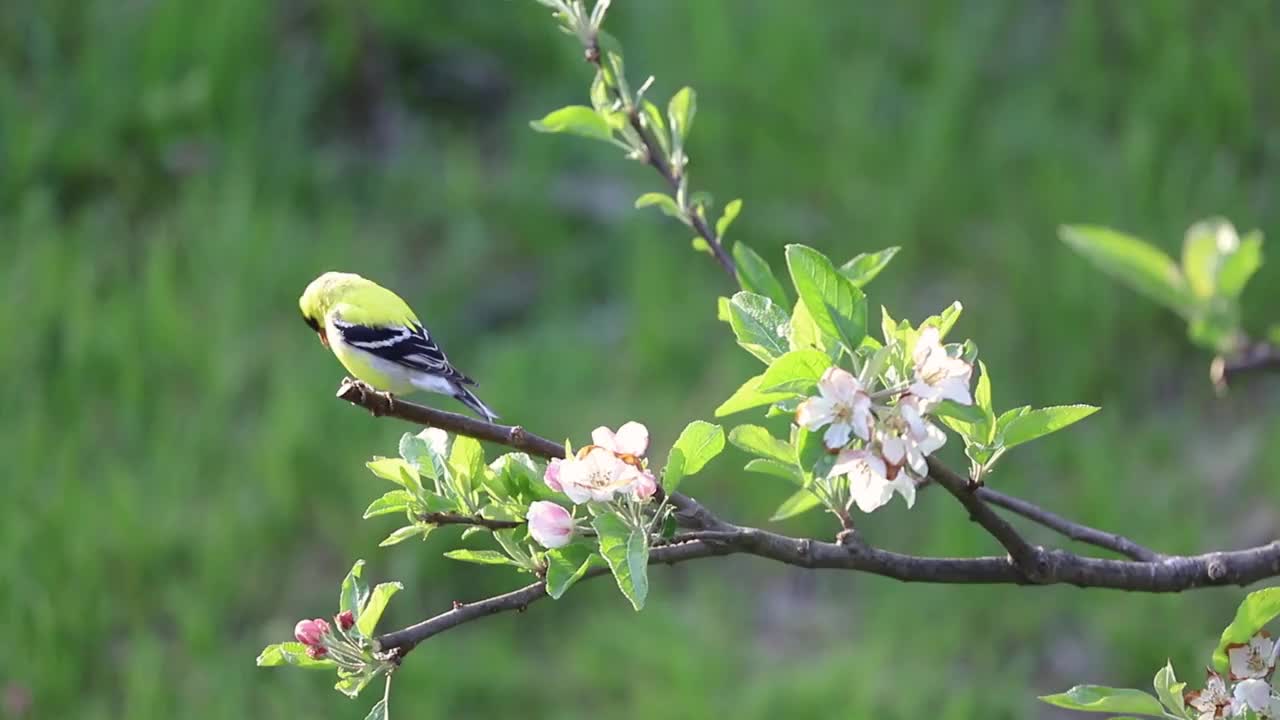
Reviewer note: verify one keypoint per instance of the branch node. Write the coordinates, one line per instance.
(458, 604)
(1216, 569)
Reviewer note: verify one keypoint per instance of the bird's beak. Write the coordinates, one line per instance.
(324, 340)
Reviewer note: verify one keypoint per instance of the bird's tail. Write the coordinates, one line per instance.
(468, 398)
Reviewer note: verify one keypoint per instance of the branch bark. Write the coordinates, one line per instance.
(1255, 357)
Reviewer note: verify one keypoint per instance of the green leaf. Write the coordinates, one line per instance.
(801, 502)
(864, 267)
(1239, 266)
(837, 306)
(481, 557)
(1097, 698)
(749, 396)
(680, 112)
(566, 566)
(699, 244)
(975, 431)
(290, 653)
(404, 533)
(354, 591)
(397, 471)
(626, 550)
(697, 445)
(466, 463)
(673, 472)
(1140, 265)
(967, 413)
(804, 333)
(758, 441)
(1169, 690)
(945, 320)
(350, 684)
(368, 618)
(755, 275)
(378, 711)
(1201, 257)
(664, 202)
(1040, 422)
(759, 324)
(394, 501)
(652, 117)
(775, 468)
(795, 372)
(727, 217)
(575, 120)
(427, 452)
(1258, 608)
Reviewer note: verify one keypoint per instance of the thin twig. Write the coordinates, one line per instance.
(1025, 555)
(1255, 357)
(1073, 530)
(444, 518)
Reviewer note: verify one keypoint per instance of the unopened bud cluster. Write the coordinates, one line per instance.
(323, 641)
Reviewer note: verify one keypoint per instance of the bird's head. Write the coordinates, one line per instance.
(321, 295)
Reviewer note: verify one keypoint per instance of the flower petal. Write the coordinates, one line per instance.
(837, 436)
(632, 439)
(815, 412)
(603, 437)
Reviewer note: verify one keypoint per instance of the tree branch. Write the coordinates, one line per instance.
(1075, 531)
(444, 518)
(1025, 555)
(1255, 357)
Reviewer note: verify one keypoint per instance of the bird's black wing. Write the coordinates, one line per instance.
(410, 346)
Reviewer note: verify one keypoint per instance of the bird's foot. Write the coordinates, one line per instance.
(391, 404)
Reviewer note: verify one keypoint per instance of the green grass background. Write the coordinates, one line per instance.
(181, 487)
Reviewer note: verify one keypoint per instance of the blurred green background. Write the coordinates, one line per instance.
(182, 487)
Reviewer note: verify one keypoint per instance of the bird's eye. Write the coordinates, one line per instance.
(311, 322)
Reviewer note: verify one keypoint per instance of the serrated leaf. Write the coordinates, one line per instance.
(749, 396)
(801, 502)
(731, 210)
(795, 372)
(575, 120)
(755, 275)
(1138, 264)
(837, 306)
(663, 202)
(626, 550)
(1256, 610)
(368, 617)
(481, 557)
(394, 501)
(697, 445)
(1097, 698)
(427, 452)
(759, 441)
(680, 112)
(397, 471)
(864, 267)
(1042, 421)
(786, 471)
(291, 653)
(566, 566)
(354, 591)
(759, 324)
(404, 533)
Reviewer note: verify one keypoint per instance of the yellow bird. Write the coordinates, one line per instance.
(379, 340)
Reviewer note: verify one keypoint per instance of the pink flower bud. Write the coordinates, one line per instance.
(645, 485)
(552, 476)
(549, 524)
(315, 652)
(346, 619)
(311, 632)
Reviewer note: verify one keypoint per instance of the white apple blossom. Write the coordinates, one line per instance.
(938, 376)
(1212, 701)
(1251, 694)
(596, 476)
(549, 524)
(907, 438)
(631, 439)
(1252, 659)
(870, 486)
(843, 404)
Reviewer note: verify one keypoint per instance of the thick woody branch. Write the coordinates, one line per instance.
(1255, 357)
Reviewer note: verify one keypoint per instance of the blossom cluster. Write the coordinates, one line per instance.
(1247, 687)
(881, 447)
(318, 636)
(612, 467)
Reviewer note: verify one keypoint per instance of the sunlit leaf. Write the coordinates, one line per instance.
(864, 267)
(1039, 422)
(1096, 698)
(759, 324)
(575, 120)
(1139, 264)
(626, 550)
